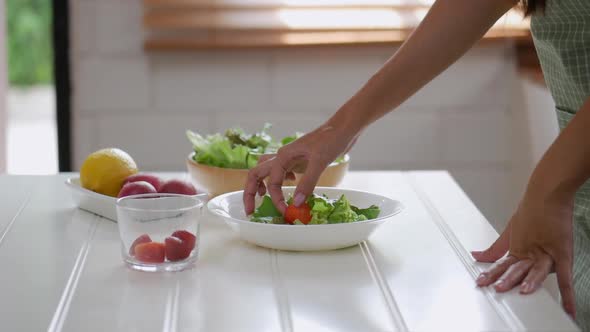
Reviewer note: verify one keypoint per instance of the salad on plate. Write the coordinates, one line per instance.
(317, 210)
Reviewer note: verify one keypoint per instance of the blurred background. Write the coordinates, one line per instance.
(31, 133)
(142, 72)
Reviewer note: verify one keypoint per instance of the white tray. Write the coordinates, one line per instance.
(102, 205)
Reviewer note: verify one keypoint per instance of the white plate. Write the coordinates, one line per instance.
(305, 237)
(102, 205)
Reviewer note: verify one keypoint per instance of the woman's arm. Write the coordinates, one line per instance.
(450, 28)
(566, 165)
(539, 235)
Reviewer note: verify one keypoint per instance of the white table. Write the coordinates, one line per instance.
(61, 270)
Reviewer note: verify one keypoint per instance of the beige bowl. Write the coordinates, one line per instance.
(217, 180)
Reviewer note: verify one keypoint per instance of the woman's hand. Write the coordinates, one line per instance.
(309, 155)
(539, 241)
(539, 236)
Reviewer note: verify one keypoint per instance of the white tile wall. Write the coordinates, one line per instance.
(209, 81)
(143, 103)
(321, 79)
(284, 123)
(476, 137)
(84, 131)
(119, 27)
(477, 79)
(400, 139)
(156, 142)
(540, 117)
(489, 188)
(111, 84)
(83, 35)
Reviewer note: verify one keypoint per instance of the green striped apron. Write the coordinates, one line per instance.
(562, 40)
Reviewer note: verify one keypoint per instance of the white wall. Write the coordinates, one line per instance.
(143, 103)
(536, 121)
(540, 118)
(3, 88)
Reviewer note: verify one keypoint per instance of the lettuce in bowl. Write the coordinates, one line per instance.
(323, 210)
(235, 148)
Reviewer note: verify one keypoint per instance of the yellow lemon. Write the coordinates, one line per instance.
(104, 171)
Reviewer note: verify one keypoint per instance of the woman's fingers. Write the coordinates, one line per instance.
(563, 269)
(255, 177)
(492, 274)
(308, 180)
(513, 276)
(275, 184)
(496, 251)
(537, 274)
(290, 176)
(530, 273)
(265, 157)
(261, 188)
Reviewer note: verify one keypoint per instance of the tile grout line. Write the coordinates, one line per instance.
(280, 293)
(63, 306)
(507, 315)
(392, 307)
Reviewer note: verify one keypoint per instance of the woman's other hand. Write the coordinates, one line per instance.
(539, 241)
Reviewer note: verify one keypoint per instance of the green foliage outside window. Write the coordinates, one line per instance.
(29, 45)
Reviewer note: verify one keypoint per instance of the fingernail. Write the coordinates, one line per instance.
(299, 199)
(526, 287)
(499, 284)
(481, 278)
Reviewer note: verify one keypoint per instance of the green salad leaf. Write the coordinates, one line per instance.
(217, 150)
(267, 213)
(235, 148)
(323, 211)
(321, 207)
(290, 139)
(342, 212)
(266, 209)
(371, 212)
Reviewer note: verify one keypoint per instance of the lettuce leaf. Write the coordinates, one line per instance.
(289, 139)
(342, 212)
(266, 209)
(217, 150)
(371, 212)
(323, 211)
(321, 207)
(235, 148)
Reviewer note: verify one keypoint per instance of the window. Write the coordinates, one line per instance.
(194, 24)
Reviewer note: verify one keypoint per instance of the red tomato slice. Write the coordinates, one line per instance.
(144, 238)
(151, 252)
(301, 213)
(187, 237)
(177, 249)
